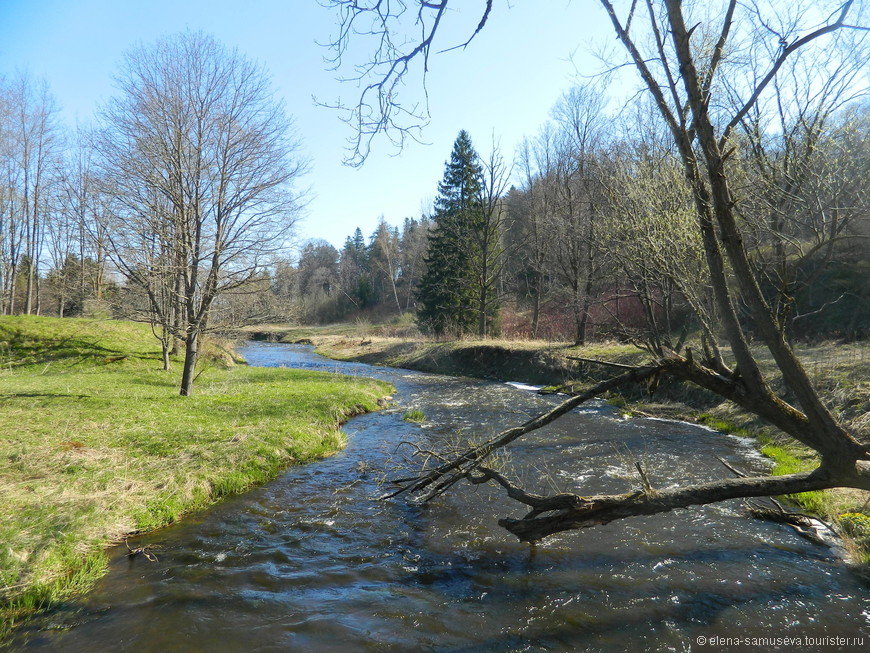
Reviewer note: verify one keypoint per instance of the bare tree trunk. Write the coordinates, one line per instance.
(28, 291)
(191, 354)
(13, 287)
(481, 302)
(536, 306)
(177, 307)
(579, 323)
(570, 512)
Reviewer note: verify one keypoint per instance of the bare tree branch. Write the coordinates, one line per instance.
(379, 109)
(461, 465)
(787, 51)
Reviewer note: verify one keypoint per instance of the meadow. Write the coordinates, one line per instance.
(97, 444)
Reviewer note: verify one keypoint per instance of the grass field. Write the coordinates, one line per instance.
(97, 444)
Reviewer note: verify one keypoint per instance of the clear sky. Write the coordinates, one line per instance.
(501, 86)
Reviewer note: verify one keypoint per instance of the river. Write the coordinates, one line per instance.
(312, 562)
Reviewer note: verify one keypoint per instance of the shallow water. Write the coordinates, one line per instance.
(311, 562)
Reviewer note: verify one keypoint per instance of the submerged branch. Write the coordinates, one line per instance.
(444, 476)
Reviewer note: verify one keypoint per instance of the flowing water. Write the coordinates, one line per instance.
(310, 562)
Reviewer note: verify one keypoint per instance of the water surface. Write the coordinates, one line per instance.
(311, 562)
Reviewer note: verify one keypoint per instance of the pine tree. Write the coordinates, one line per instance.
(355, 273)
(446, 299)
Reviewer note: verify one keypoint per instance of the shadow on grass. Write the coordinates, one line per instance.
(23, 349)
(43, 395)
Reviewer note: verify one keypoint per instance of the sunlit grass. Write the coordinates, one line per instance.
(414, 415)
(97, 444)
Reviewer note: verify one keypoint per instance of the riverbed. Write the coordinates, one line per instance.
(314, 562)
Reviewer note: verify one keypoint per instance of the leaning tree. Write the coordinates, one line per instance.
(199, 160)
(691, 60)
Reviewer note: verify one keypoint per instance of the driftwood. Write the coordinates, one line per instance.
(145, 551)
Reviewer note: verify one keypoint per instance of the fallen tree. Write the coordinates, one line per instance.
(703, 95)
(568, 511)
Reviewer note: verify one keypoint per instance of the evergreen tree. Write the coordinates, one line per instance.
(356, 281)
(446, 298)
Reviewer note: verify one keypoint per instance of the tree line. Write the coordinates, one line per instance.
(180, 194)
(175, 208)
(596, 236)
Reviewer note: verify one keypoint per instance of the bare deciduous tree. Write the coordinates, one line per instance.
(580, 120)
(650, 235)
(531, 209)
(30, 146)
(798, 204)
(384, 260)
(199, 159)
(488, 254)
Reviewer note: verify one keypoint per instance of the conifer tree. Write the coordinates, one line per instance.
(446, 300)
(356, 282)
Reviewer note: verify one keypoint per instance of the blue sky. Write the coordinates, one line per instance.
(502, 85)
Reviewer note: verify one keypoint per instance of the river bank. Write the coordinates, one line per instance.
(314, 562)
(841, 372)
(98, 445)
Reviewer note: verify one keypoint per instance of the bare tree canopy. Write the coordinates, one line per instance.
(706, 68)
(394, 59)
(199, 159)
(30, 144)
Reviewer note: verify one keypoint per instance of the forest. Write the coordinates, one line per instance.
(585, 233)
(592, 235)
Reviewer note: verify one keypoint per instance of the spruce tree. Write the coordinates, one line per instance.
(446, 298)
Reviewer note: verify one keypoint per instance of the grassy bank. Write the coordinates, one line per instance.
(841, 373)
(97, 444)
(531, 361)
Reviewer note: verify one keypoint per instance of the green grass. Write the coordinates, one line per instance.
(97, 444)
(788, 460)
(414, 415)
